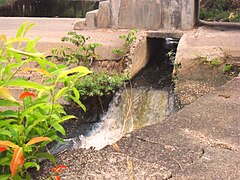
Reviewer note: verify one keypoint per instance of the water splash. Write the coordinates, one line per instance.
(129, 110)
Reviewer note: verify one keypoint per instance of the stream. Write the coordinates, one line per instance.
(146, 100)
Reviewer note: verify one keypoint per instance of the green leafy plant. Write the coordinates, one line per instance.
(215, 62)
(227, 68)
(33, 119)
(128, 40)
(212, 62)
(83, 54)
(231, 70)
(99, 84)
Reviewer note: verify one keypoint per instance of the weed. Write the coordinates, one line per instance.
(212, 62)
(84, 54)
(128, 40)
(227, 68)
(215, 62)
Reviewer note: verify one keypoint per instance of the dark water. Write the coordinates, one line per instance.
(46, 8)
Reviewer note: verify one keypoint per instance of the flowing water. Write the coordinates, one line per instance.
(46, 8)
(148, 99)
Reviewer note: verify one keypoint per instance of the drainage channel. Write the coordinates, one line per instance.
(146, 100)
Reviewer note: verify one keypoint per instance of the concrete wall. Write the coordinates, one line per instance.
(146, 14)
(157, 14)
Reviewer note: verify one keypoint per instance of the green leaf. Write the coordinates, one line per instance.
(76, 93)
(61, 92)
(28, 28)
(59, 128)
(65, 118)
(43, 63)
(35, 55)
(9, 113)
(79, 103)
(5, 176)
(24, 28)
(26, 84)
(4, 161)
(17, 177)
(4, 102)
(80, 69)
(47, 156)
(31, 164)
(31, 45)
(30, 128)
(21, 29)
(5, 132)
(24, 113)
(4, 123)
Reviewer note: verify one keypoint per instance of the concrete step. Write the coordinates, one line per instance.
(99, 18)
(91, 19)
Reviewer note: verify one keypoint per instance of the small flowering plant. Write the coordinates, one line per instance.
(30, 120)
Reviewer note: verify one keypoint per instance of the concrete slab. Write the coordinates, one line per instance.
(196, 71)
(199, 142)
(53, 29)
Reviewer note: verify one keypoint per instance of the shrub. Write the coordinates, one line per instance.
(28, 123)
(99, 84)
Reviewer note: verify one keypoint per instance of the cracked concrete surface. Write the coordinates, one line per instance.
(199, 142)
